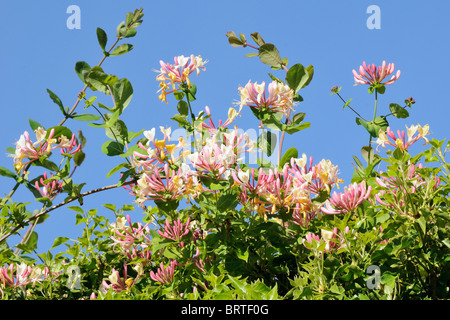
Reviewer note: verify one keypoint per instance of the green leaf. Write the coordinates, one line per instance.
(422, 224)
(131, 32)
(76, 209)
(233, 40)
(296, 128)
(298, 118)
(110, 120)
(34, 124)
(98, 80)
(32, 241)
(47, 164)
(86, 117)
(58, 241)
(123, 92)
(183, 108)
(269, 55)
(123, 48)
(59, 131)
(117, 168)
(82, 69)
(398, 112)
(297, 77)
(102, 38)
(373, 127)
(56, 100)
(388, 279)
(7, 173)
(257, 38)
(192, 91)
(242, 254)
(366, 151)
(227, 200)
(78, 158)
(290, 153)
(118, 131)
(112, 148)
(310, 70)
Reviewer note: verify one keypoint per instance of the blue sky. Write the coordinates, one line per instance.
(40, 52)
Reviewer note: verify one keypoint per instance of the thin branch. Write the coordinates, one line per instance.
(62, 204)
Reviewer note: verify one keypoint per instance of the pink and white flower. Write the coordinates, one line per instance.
(400, 141)
(347, 201)
(164, 275)
(178, 73)
(175, 231)
(25, 148)
(280, 97)
(373, 75)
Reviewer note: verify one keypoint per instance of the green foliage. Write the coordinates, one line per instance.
(219, 241)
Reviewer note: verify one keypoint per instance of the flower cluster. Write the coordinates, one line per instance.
(175, 232)
(164, 175)
(400, 141)
(49, 188)
(119, 284)
(158, 152)
(292, 189)
(178, 73)
(44, 144)
(373, 75)
(17, 275)
(349, 200)
(164, 275)
(132, 241)
(329, 238)
(280, 97)
(220, 152)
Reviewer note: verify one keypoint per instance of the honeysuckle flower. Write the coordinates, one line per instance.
(24, 274)
(347, 201)
(49, 189)
(69, 146)
(328, 237)
(200, 264)
(317, 178)
(211, 127)
(164, 275)
(216, 157)
(280, 97)
(388, 137)
(162, 184)
(331, 239)
(158, 152)
(119, 284)
(133, 241)
(309, 238)
(305, 212)
(178, 73)
(373, 75)
(282, 194)
(176, 231)
(25, 148)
